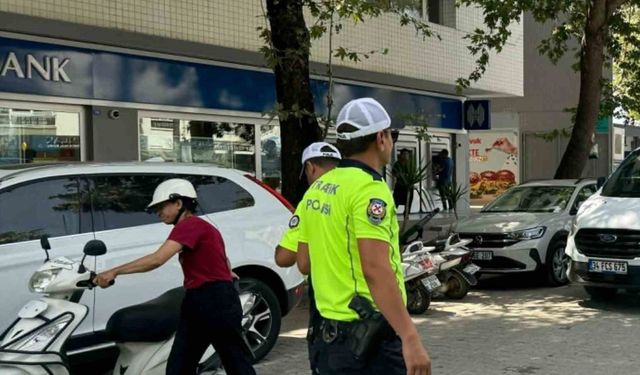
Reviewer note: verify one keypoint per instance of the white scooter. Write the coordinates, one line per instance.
(34, 343)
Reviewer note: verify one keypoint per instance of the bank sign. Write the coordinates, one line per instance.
(35, 68)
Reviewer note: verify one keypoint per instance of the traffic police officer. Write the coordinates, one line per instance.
(349, 242)
(317, 159)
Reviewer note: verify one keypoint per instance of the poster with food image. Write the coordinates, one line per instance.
(493, 164)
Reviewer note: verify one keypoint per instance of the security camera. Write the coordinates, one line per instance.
(114, 114)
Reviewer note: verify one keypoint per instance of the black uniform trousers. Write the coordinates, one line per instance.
(211, 315)
(336, 358)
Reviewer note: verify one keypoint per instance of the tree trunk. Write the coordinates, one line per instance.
(591, 64)
(290, 38)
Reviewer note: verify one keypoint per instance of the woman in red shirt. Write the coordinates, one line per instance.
(211, 311)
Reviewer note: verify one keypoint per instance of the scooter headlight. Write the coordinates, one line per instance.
(43, 337)
(41, 280)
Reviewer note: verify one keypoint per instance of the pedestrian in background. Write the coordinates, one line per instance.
(444, 181)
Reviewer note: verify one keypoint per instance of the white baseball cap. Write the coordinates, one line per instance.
(365, 114)
(319, 150)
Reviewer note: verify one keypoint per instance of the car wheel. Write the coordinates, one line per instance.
(457, 286)
(261, 316)
(557, 263)
(418, 299)
(600, 294)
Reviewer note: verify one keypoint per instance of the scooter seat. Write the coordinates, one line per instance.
(151, 321)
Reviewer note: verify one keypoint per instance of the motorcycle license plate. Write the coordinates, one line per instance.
(431, 283)
(482, 255)
(603, 266)
(471, 269)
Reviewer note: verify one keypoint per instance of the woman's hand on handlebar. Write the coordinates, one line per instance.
(105, 279)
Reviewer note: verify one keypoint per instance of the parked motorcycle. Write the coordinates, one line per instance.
(419, 276)
(144, 333)
(456, 269)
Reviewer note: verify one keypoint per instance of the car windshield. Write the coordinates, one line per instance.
(625, 181)
(532, 199)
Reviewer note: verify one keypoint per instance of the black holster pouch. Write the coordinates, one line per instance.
(366, 334)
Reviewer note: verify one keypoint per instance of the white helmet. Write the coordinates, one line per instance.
(173, 189)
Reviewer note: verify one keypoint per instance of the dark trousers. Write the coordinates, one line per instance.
(314, 324)
(444, 191)
(211, 314)
(336, 358)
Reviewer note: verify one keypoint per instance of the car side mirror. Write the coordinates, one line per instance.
(600, 181)
(95, 248)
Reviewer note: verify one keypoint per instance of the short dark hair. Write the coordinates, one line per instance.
(350, 147)
(444, 151)
(324, 162)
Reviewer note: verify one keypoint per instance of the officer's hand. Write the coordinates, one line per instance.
(416, 357)
(104, 279)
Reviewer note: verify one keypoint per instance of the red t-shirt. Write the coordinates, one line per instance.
(203, 257)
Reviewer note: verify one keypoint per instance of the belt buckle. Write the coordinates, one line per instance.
(329, 331)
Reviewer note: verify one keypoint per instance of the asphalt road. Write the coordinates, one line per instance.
(507, 325)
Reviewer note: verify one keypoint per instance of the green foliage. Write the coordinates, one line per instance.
(555, 133)
(455, 193)
(626, 69)
(570, 23)
(409, 174)
(419, 122)
(329, 19)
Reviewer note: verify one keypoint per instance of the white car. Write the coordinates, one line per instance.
(79, 202)
(526, 228)
(604, 245)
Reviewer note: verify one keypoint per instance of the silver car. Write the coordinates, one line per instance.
(526, 228)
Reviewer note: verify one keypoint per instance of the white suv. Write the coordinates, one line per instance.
(75, 203)
(604, 244)
(526, 228)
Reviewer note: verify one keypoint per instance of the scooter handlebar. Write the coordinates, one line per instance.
(89, 282)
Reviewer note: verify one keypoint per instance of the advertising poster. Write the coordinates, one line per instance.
(493, 164)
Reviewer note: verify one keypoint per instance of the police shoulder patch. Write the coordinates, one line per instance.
(294, 222)
(376, 211)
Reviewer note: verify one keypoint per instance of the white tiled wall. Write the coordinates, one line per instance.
(232, 23)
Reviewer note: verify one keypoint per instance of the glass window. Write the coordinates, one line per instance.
(270, 157)
(532, 199)
(217, 194)
(625, 181)
(584, 194)
(121, 201)
(50, 207)
(442, 12)
(412, 8)
(31, 136)
(226, 144)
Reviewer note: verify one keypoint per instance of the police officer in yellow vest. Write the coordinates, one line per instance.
(348, 241)
(317, 159)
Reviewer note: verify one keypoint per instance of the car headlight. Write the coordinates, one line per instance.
(528, 234)
(41, 280)
(43, 337)
(574, 227)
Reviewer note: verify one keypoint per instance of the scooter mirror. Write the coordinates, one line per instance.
(95, 248)
(44, 242)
